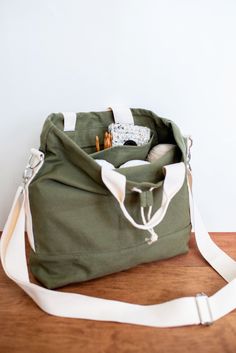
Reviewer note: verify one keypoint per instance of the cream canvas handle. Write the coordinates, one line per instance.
(174, 179)
(178, 312)
(121, 114)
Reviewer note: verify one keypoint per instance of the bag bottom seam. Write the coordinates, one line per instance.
(42, 255)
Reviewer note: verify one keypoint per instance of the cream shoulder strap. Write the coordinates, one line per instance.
(200, 309)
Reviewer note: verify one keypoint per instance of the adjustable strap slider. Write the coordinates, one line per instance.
(204, 309)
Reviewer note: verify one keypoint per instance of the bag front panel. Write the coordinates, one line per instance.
(79, 230)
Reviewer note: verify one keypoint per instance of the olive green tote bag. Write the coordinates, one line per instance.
(85, 220)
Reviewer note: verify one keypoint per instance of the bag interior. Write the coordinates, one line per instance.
(90, 125)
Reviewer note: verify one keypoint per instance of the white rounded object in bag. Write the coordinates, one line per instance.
(133, 163)
(159, 150)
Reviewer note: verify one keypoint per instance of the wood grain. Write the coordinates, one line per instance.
(25, 328)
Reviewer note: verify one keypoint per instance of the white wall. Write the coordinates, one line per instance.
(176, 57)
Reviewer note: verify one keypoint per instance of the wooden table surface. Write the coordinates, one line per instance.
(25, 328)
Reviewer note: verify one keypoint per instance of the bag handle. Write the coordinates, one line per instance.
(121, 114)
(178, 312)
(174, 179)
(69, 121)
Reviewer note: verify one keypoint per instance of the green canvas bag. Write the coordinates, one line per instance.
(85, 221)
(84, 234)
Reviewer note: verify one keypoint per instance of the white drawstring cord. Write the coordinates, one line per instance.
(154, 236)
(150, 207)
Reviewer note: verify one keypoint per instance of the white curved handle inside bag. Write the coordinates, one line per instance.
(174, 179)
(121, 114)
(178, 312)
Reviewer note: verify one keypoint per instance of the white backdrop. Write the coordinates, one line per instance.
(175, 57)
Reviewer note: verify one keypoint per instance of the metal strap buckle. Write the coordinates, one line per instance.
(204, 309)
(189, 146)
(34, 161)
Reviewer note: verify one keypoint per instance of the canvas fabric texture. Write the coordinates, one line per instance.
(79, 230)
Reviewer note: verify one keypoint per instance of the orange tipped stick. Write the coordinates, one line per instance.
(97, 144)
(110, 139)
(106, 140)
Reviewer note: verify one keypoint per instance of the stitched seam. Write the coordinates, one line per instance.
(42, 255)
